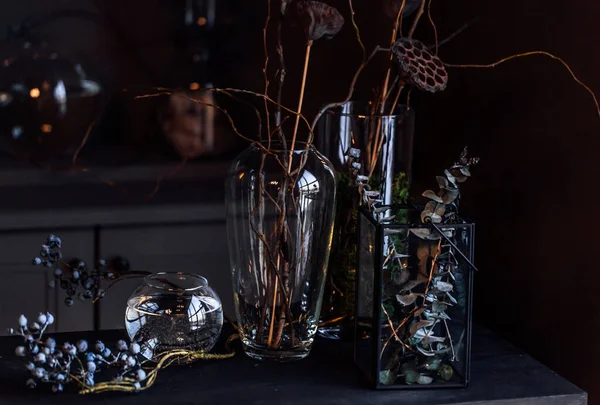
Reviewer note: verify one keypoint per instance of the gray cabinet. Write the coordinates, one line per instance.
(24, 289)
(198, 248)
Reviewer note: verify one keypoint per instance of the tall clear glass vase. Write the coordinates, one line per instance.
(385, 143)
(280, 213)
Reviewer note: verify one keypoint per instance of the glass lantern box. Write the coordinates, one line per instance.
(413, 305)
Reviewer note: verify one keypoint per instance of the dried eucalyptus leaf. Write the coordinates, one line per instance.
(452, 298)
(408, 299)
(449, 195)
(372, 193)
(425, 352)
(411, 376)
(465, 171)
(422, 233)
(433, 363)
(442, 181)
(401, 277)
(411, 284)
(450, 177)
(384, 208)
(446, 372)
(443, 286)
(388, 231)
(387, 377)
(318, 20)
(424, 380)
(458, 176)
(420, 325)
(435, 218)
(438, 307)
(419, 311)
(387, 219)
(429, 339)
(432, 196)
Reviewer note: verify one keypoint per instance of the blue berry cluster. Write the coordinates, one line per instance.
(74, 276)
(79, 363)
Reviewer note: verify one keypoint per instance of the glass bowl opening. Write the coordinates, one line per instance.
(175, 281)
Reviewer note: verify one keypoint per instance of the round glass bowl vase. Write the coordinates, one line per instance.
(173, 311)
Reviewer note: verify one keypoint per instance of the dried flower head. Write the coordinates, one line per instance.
(318, 20)
(419, 66)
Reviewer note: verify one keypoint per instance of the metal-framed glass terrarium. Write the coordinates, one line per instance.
(413, 300)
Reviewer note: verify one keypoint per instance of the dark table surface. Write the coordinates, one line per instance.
(501, 375)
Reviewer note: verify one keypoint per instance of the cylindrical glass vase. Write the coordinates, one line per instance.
(385, 143)
(280, 211)
(173, 311)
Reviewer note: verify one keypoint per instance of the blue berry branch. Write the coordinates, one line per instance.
(76, 278)
(60, 365)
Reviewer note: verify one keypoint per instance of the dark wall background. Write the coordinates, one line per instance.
(535, 193)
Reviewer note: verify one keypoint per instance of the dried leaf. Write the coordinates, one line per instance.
(384, 208)
(438, 307)
(442, 181)
(449, 195)
(432, 196)
(419, 311)
(433, 363)
(387, 219)
(429, 339)
(401, 277)
(465, 171)
(388, 231)
(387, 377)
(318, 20)
(420, 325)
(446, 372)
(458, 176)
(411, 284)
(436, 219)
(422, 233)
(425, 352)
(450, 177)
(424, 380)
(452, 298)
(443, 286)
(408, 299)
(411, 376)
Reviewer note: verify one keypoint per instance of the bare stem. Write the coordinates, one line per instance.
(300, 100)
(417, 18)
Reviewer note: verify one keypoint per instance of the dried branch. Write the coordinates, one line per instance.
(417, 19)
(544, 53)
(350, 92)
(300, 99)
(435, 32)
(266, 69)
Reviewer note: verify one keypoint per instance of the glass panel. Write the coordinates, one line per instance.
(425, 307)
(364, 340)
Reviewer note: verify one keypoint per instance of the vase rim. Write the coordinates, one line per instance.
(276, 146)
(361, 109)
(175, 281)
